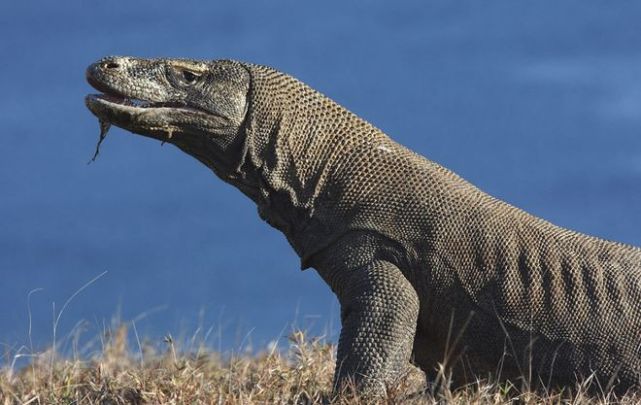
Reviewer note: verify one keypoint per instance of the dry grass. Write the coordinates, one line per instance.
(302, 374)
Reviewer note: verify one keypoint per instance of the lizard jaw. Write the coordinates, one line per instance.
(155, 120)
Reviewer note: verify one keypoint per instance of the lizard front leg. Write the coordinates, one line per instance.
(379, 312)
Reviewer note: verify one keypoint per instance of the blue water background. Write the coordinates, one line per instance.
(537, 103)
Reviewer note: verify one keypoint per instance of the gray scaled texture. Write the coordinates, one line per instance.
(427, 267)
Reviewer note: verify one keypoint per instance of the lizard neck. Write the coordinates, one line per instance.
(294, 139)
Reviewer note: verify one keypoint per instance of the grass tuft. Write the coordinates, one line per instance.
(302, 374)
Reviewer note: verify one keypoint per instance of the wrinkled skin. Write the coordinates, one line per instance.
(191, 104)
(425, 266)
(194, 98)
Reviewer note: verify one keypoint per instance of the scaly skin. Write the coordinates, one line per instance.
(426, 266)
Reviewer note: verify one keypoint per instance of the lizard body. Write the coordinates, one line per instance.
(425, 265)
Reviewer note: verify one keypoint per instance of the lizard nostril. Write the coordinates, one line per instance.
(110, 65)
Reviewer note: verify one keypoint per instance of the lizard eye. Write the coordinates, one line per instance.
(190, 77)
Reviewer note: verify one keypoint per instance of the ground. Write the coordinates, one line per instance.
(301, 374)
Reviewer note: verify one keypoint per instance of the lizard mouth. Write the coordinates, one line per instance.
(112, 98)
(158, 120)
(116, 100)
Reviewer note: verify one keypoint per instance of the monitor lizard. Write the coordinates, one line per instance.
(426, 267)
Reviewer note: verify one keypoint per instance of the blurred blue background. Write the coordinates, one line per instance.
(537, 103)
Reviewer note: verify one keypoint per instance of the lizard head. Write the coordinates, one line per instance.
(185, 102)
